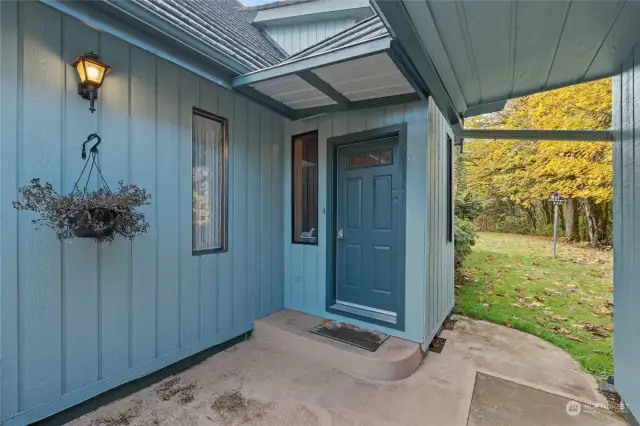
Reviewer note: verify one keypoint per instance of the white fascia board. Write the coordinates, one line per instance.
(313, 11)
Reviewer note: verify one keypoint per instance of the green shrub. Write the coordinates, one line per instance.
(468, 206)
(465, 238)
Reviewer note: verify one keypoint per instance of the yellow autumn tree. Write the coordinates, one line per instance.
(526, 173)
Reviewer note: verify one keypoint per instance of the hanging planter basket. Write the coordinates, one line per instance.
(88, 229)
(100, 215)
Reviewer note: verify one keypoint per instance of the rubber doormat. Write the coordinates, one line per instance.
(350, 334)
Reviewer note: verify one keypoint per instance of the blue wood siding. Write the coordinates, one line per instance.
(626, 219)
(77, 318)
(440, 255)
(305, 265)
(293, 38)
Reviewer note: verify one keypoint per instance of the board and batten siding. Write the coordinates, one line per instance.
(626, 231)
(293, 38)
(440, 253)
(305, 265)
(78, 318)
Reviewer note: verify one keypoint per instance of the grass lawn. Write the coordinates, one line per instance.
(512, 280)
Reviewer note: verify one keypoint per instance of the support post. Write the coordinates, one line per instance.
(555, 228)
(556, 199)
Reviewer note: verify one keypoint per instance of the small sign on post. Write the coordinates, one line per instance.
(556, 199)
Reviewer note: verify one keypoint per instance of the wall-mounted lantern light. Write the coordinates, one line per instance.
(91, 72)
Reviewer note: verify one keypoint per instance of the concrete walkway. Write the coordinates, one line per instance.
(518, 380)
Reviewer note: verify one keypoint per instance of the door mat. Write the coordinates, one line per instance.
(350, 334)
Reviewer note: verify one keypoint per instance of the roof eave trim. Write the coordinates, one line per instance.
(97, 17)
(484, 109)
(323, 59)
(159, 24)
(400, 26)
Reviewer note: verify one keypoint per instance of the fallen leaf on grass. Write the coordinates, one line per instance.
(604, 310)
(499, 294)
(557, 318)
(532, 278)
(596, 330)
(576, 339)
(539, 299)
(571, 308)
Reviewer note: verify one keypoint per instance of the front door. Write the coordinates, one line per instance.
(369, 197)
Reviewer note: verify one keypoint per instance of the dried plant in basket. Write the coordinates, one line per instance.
(100, 215)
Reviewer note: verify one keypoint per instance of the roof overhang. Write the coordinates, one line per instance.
(298, 12)
(473, 55)
(365, 74)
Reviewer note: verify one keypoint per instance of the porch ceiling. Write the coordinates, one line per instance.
(476, 54)
(357, 68)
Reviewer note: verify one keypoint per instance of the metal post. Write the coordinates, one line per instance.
(556, 199)
(555, 228)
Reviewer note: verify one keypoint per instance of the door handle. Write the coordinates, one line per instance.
(341, 234)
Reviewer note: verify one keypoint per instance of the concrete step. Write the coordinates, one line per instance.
(288, 331)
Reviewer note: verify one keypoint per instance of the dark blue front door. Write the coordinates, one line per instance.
(368, 197)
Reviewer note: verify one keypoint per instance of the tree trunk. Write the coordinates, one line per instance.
(575, 235)
(531, 215)
(547, 209)
(571, 219)
(603, 224)
(595, 220)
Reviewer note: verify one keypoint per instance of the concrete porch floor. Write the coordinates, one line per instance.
(254, 383)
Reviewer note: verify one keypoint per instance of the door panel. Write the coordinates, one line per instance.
(354, 203)
(369, 189)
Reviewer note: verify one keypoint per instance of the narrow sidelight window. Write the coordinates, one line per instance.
(449, 189)
(305, 188)
(209, 182)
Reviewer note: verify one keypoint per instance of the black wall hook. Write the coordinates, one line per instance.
(94, 148)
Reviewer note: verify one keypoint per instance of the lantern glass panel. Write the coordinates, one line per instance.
(95, 72)
(81, 71)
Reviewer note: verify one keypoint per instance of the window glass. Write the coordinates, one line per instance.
(370, 159)
(209, 157)
(305, 188)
